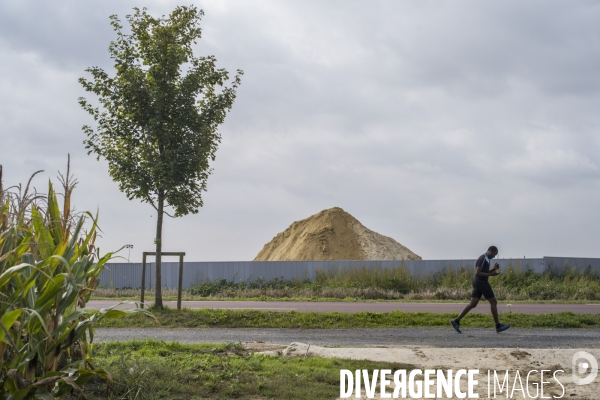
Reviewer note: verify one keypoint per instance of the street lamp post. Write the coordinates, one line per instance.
(128, 246)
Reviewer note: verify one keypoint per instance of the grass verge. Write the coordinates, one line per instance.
(128, 296)
(216, 318)
(159, 370)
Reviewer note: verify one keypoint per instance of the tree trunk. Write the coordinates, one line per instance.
(158, 303)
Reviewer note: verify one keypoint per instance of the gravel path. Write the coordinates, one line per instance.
(430, 337)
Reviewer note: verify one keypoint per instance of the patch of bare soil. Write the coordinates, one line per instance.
(332, 234)
(501, 360)
(264, 348)
(520, 354)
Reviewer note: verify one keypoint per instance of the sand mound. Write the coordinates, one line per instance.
(332, 234)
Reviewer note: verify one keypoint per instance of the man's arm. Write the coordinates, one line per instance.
(492, 273)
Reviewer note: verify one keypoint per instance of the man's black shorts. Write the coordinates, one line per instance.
(482, 287)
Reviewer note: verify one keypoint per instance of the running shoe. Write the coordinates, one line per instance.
(502, 327)
(456, 325)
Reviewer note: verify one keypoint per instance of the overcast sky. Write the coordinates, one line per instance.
(449, 126)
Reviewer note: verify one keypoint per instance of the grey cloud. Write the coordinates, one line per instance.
(447, 126)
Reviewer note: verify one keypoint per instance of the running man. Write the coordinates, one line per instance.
(481, 287)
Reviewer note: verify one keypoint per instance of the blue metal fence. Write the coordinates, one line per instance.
(128, 275)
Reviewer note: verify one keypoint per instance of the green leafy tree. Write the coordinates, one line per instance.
(159, 114)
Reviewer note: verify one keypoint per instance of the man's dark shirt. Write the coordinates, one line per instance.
(484, 263)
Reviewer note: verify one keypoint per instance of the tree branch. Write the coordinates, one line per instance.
(154, 206)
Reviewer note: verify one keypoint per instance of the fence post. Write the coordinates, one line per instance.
(143, 280)
(180, 283)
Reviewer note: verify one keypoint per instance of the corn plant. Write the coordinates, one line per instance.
(49, 267)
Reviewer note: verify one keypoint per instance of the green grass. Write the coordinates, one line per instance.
(185, 297)
(159, 370)
(220, 318)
